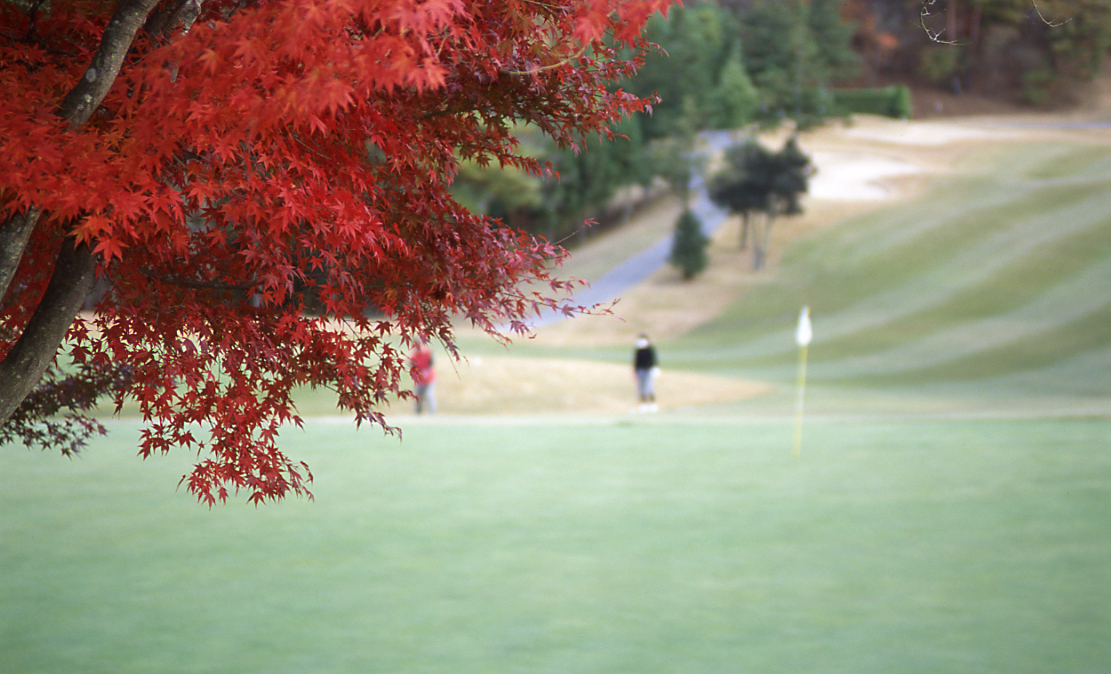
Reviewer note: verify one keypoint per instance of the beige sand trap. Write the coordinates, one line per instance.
(510, 385)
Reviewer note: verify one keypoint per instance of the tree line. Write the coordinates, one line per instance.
(1025, 51)
(719, 66)
(727, 64)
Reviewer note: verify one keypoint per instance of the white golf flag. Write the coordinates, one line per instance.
(804, 333)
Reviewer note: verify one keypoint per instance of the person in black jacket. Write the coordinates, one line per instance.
(646, 368)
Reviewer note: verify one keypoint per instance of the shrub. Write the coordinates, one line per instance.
(893, 101)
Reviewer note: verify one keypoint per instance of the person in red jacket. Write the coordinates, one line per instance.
(424, 377)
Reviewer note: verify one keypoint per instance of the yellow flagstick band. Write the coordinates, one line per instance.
(798, 407)
(803, 337)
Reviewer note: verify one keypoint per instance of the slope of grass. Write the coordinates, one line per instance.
(1001, 271)
(581, 547)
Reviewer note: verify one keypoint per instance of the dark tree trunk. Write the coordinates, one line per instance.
(74, 271)
(86, 96)
(24, 365)
(761, 241)
(14, 235)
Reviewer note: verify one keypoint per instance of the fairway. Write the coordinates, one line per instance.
(994, 283)
(948, 511)
(584, 546)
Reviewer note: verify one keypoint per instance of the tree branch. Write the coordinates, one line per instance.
(74, 271)
(14, 235)
(201, 285)
(32, 18)
(184, 12)
(80, 103)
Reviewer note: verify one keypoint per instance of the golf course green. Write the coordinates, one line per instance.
(949, 509)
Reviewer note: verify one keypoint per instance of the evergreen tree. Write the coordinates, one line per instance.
(741, 185)
(675, 159)
(688, 247)
(700, 75)
(833, 37)
(735, 100)
(791, 171)
(589, 177)
(794, 50)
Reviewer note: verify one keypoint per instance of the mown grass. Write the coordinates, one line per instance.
(902, 540)
(1000, 270)
(682, 546)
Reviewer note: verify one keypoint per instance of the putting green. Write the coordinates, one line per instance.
(584, 545)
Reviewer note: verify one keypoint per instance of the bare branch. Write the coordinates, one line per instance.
(935, 35)
(184, 12)
(1045, 20)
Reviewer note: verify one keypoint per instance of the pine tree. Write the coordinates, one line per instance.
(688, 247)
(734, 101)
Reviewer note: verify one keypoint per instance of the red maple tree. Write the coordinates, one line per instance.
(262, 189)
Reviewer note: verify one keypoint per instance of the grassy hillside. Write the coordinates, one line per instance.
(987, 291)
(996, 280)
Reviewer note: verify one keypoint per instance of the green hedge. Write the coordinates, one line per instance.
(892, 101)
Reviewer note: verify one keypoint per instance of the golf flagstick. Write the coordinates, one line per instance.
(802, 336)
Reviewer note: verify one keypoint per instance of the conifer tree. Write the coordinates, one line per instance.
(688, 247)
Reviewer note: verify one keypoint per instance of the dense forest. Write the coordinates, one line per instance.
(730, 64)
(1036, 52)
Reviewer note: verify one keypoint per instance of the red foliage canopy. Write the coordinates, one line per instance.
(263, 185)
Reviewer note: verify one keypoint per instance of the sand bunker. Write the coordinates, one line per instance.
(509, 385)
(855, 177)
(919, 133)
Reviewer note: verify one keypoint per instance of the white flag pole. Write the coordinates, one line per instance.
(803, 336)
